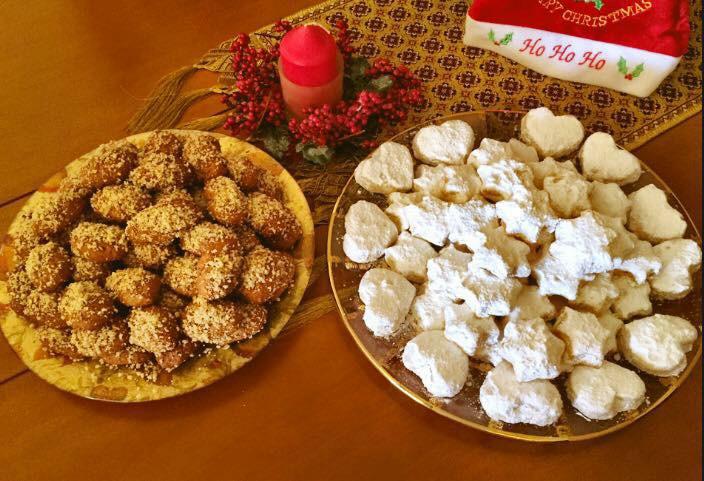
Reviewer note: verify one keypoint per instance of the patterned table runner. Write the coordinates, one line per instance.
(426, 36)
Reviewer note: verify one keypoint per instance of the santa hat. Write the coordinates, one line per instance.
(626, 45)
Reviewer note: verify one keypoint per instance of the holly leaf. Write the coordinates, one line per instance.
(598, 4)
(355, 76)
(276, 141)
(317, 154)
(507, 39)
(381, 84)
(638, 70)
(492, 35)
(357, 67)
(622, 66)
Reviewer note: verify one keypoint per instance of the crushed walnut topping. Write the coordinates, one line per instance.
(137, 261)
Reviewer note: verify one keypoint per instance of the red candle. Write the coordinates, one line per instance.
(311, 69)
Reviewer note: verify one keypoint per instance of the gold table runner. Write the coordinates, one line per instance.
(426, 36)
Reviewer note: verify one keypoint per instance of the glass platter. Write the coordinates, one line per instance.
(465, 408)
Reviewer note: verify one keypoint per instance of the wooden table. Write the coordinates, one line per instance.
(311, 406)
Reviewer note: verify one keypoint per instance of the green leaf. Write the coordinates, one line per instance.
(507, 39)
(638, 70)
(276, 141)
(492, 35)
(598, 4)
(381, 84)
(317, 154)
(357, 67)
(622, 65)
(355, 76)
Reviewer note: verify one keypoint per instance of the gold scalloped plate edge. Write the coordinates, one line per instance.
(492, 427)
(93, 380)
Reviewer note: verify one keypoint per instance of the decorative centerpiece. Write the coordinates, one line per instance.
(308, 92)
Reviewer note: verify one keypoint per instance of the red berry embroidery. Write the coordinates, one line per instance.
(623, 68)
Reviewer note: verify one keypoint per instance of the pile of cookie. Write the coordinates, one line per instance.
(146, 257)
(529, 256)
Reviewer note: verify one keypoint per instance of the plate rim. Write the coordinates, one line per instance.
(437, 409)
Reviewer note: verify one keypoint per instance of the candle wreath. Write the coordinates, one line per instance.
(376, 94)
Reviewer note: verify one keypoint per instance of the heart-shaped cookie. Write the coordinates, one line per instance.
(388, 169)
(603, 160)
(551, 135)
(602, 392)
(447, 143)
(652, 218)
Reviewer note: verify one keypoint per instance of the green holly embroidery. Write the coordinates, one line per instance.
(598, 4)
(505, 40)
(623, 68)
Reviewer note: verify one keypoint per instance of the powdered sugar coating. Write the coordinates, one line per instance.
(603, 392)
(503, 255)
(368, 232)
(507, 399)
(603, 160)
(585, 337)
(609, 199)
(532, 304)
(550, 167)
(447, 143)
(438, 362)
(388, 169)
(543, 221)
(613, 325)
(568, 193)
(633, 298)
(398, 201)
(451, 183)
(409, 257)
(428, 309)
(658, 344)
(533, 351)
(428, 219)
(487, 294)
(596, 295)
(447, 271)
(468, 222)
(679, 259)
(551, 135)
(641, 262)
(476, 336)
(387, 298)
(581, 250)
(652, 218)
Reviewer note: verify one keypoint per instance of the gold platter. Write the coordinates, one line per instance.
(465, 407)
(93, 380)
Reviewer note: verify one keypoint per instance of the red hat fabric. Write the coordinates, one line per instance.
(627, 45)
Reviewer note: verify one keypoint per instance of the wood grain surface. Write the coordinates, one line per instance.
(310, 406)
